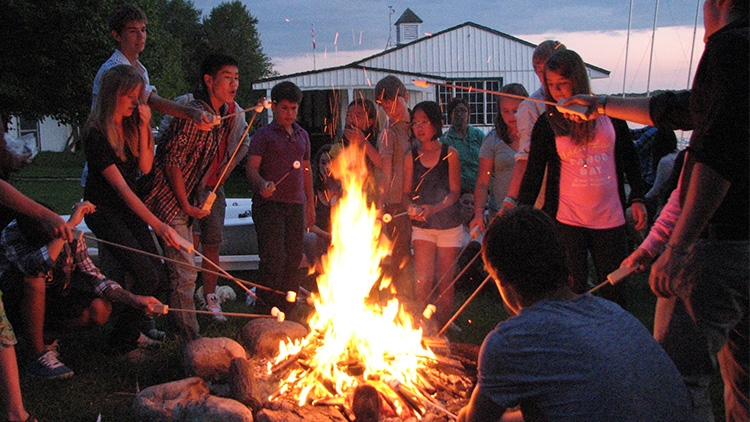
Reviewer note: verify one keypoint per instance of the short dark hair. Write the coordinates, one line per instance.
(434, 115)
(521, 248)
(455, 103)
(389, 88)
(124, 14)
(286, 91)
(214, 62)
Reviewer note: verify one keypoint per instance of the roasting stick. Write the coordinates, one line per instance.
(185, 264)
(458, 312)
(575, 109)
(430, 309)
(266, 103)
(187, 246)
(614, 277)
(165, 309)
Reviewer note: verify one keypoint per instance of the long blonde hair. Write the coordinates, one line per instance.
(118, 81)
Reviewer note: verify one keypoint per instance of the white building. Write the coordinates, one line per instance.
(468, 55)
(50, 134)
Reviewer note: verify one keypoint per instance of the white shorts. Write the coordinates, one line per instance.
(445, 238)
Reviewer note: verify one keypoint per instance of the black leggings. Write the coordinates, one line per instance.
(124, 227)
(608, 248)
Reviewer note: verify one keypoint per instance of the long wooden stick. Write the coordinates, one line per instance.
(237, 314)
(237, 148)
(470, 89)
(184, 264)
(458, 312)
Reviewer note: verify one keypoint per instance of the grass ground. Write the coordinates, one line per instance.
(105, 385)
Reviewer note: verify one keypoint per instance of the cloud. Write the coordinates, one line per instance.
(605, 49)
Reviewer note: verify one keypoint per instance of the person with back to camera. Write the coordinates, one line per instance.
(563, 356)
(587, 167)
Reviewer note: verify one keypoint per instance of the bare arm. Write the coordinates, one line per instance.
(202, 119)
(482, 409)
(480, 192)
(308, 185)
(115, 179)
(145, 140)
(705, 192)
(52, 223)
(177, 184)
(261, 185)
(635, 110)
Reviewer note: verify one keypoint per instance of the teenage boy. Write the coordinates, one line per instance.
(53, 286)
(526, 117)
(282, 209)
(466, 139)
(183, 156)
(701, 278)
(563, 356)
(208, 230)
(394, 142)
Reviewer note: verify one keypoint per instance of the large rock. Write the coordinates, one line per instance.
(209, 358)
(243, 385)
(157, 403)
(261, 337)
(213, 409)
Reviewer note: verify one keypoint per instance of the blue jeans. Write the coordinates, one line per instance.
(280, 227)
(710, 325)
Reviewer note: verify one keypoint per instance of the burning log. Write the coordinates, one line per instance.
(242, 383)
(366, 404)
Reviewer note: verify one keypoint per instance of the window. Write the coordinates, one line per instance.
(26, 126)
(482, 106)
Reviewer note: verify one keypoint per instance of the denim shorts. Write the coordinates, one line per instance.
(444, 238)
(210, 227)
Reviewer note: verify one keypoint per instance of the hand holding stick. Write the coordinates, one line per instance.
(578, 110)
(265, 103)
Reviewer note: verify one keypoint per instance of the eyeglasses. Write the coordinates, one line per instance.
(420, 124)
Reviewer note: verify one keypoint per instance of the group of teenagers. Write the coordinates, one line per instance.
(563, 355)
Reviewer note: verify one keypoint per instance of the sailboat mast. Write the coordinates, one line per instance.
(692, 49)
(627, 48)
(651, 59)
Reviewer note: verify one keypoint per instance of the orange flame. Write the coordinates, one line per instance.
(346, 327)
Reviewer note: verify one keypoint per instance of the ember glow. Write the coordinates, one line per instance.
(352, 340)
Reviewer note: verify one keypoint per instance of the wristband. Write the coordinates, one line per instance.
(601, 104)
(510, 200)
(476, 210)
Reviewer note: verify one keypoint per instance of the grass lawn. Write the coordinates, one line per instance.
(104, 384)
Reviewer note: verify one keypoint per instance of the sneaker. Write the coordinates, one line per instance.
(144, 342)
(48, 366)
(212, 305)
(250, 299)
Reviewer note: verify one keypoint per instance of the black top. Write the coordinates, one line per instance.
(100, 155)
(430, 186)
(717, 109)
(543, 154)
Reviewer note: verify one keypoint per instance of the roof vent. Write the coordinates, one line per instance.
(408, 27)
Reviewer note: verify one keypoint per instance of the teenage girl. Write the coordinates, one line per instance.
(588, 164)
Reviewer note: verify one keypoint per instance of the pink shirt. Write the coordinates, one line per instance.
(588, 180)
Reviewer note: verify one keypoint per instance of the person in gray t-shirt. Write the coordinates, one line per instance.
(563, 356)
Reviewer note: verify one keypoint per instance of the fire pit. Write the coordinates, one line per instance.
(365, 360)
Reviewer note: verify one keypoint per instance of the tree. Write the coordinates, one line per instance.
(53, 49)
(231, 29)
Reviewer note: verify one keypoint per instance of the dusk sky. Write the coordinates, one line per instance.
(348, 30)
